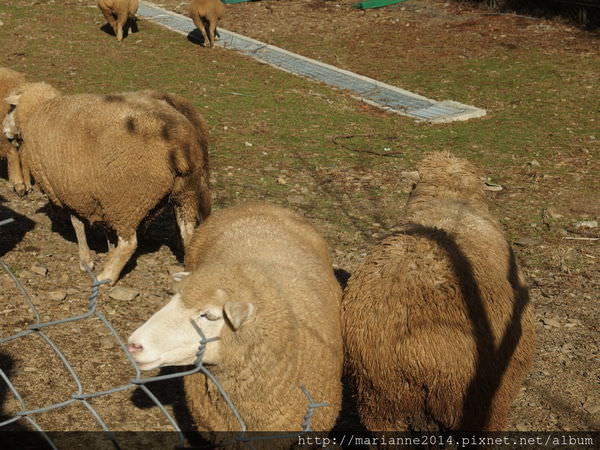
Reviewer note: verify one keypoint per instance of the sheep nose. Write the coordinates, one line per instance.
(135, 348)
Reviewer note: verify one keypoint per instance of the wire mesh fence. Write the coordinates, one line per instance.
(82, 397)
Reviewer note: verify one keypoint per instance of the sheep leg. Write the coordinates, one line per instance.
(186, 221)
(15, 175)
(84, 251)
(201, 27)
(117, 259)
(121, 21)
(109, 243)
(212, 29)
(110, 19)
(25, 174)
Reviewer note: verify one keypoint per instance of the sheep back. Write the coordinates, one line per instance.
(277, 260)
(121, 152)
(211, 9)
(437, 324)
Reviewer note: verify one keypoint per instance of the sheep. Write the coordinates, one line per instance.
(118, 14)
(437, 324)
(10, 80)
(207, 13)
(260, 278)
(114, 159)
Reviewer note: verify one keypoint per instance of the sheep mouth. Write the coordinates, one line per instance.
(149, 365)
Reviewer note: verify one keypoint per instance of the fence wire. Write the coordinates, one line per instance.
(82, 397)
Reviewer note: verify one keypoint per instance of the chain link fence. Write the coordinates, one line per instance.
(82, 397)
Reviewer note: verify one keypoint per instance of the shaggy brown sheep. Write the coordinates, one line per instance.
(114, 159)
(207, 13)
(437, 323)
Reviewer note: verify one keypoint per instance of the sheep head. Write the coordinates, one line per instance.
(445, 178)
(169, 337)
(23, 102)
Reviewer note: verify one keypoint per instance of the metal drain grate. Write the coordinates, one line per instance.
(374, 92)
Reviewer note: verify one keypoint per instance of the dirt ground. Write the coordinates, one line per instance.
(562, 266)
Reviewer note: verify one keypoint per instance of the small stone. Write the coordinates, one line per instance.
(57, 296)
(40, 270)
(281, 180)
(248, 144)
(297, 200)
(1, 23)
(587, 224)
(592, 405)
(527, 241)
(123, 293)
(107, 342)
(553, 214)
(534, 163)
(566, 348)
(572, 323)
(551, 322)
(175, 268)
(29, 369)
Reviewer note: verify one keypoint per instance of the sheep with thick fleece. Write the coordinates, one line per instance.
(114, 159)
(259, 278)
(9, 81)
(437, 324)
(207, 13)
(118, 14)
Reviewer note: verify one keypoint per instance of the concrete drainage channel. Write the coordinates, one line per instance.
(376, 93)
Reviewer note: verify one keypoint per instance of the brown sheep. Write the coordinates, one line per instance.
(9, 81)
(114, 159)
(207, 13)
(261, 279)
(437, 324)
(119, 14)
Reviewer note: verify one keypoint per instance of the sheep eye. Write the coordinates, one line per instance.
(11, 108)
(209, 315)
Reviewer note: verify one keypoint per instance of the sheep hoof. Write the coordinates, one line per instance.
(86, 265)
(20, 189)
(103, 276)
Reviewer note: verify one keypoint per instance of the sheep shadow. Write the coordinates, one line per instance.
(15, 435)
(195, 36)
(130, 26)
(491, 361)
(160, 228)
(171, 392)
(12, 233)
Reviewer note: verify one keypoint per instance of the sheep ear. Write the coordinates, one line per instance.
(238, 312)
(177, 279)
(179, 276)
(13, 98)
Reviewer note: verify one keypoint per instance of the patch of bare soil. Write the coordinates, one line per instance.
(561, 392)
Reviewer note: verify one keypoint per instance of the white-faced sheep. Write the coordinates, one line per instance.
(207, 13)
(437, 324)
(114, 159)
(9, 81)
(119, 14)
(261, 280)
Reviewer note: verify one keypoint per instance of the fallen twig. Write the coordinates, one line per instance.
(363, 150)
